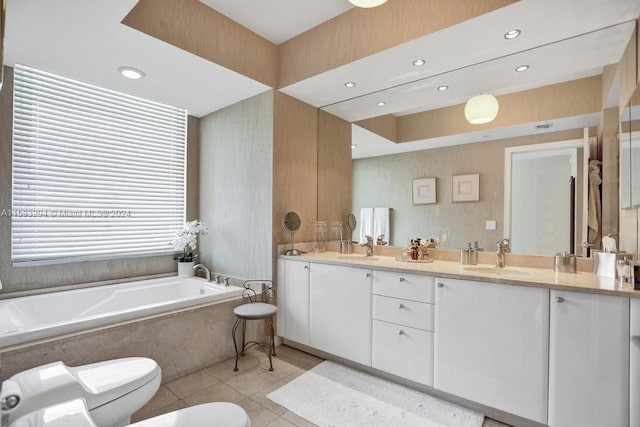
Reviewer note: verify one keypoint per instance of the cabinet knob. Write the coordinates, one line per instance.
(559, 299)
(400, 332)
(401, 279)
(306, 267)
(367, 275)
(400, 305)
(440, 285)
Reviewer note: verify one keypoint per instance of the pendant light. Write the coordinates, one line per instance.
(481, 109)
(367, 3)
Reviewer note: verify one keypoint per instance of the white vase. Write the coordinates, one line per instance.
(185, 269)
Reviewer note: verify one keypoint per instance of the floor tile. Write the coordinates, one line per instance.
(143, 415)
(261, 398)
(295, 419)
(162, 398)
(281, 368)
(280, 422)
(297, 357)
(224, 370)
(219, 392)
(251, 382)
(489, 422)
(259, 415)
(190, 384)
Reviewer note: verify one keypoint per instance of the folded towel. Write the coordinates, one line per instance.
(366, 224)
(381, 224)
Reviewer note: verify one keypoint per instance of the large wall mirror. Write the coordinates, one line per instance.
(629, 137)
(413, 130)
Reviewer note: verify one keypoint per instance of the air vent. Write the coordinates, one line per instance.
(544, 126)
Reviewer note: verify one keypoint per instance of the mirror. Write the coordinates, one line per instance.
(629, 138)
(433, 140)
(291, 222)
(351, 225)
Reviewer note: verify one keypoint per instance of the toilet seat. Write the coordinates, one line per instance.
(101, 385)
(75, 413)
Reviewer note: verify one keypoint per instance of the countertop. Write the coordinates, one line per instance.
(522, 276)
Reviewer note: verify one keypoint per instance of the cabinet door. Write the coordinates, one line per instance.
(491, 345)
(341, 311)
(588, 360)
(634, 363)
(296, 301)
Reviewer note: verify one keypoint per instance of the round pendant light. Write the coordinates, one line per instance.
(367, 3)
(481, 109)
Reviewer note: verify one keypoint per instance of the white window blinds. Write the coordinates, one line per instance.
(96, 173)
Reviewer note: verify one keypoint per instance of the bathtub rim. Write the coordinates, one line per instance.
(112, 317)
(115, 325)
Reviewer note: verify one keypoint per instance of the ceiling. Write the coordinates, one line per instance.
(561, 41)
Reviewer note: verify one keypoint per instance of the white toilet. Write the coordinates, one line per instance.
(112, 390)
(74, 413)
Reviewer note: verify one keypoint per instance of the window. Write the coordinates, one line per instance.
(96, 173)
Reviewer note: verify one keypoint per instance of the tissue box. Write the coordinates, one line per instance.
(604, 263)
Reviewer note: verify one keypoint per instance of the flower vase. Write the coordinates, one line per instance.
(185, 269)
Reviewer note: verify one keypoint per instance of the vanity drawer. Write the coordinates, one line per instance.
(407, 286)
(404, 312)
(403, 351)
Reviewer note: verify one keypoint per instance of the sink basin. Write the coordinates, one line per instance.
(357, 258)
(497, 271)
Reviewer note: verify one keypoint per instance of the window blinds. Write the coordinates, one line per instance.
(96, 173)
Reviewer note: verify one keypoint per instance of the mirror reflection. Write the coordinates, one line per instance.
(540, 201)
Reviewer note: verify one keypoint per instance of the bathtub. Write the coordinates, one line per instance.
(37, 317)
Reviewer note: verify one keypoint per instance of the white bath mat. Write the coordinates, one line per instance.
(335, 395)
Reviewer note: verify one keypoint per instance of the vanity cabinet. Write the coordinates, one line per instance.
(293, 300)
(491, 345)
(588, 360)
(403, 325)
(634, 363)
(340, 311)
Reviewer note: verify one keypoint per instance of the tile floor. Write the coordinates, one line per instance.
(248, 388)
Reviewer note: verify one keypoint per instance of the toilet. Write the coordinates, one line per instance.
(76, 414)
(111, 391)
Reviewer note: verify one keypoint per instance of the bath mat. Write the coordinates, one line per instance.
(334, 395)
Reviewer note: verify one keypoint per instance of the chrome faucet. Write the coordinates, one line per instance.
(380, 240)
(503, 248)
(368, 245)
(202, 267)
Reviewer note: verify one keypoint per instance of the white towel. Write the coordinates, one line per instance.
(381, 224)
(366, 224)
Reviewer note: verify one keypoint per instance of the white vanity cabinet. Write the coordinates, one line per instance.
(491, 345)
(588, 360)
(403, 325)
(340, 311)
(293, 300)
(634, 363)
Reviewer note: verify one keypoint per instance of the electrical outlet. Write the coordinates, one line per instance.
(444, 238)
(490, 225)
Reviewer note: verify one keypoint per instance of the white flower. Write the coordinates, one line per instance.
(186, 238)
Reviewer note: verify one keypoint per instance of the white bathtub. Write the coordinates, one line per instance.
(30, 318)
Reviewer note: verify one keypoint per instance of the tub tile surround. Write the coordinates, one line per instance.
(446, 264)
(239, 387)
(181, 342)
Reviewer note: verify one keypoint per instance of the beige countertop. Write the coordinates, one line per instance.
(523, 276)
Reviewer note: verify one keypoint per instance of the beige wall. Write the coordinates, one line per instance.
(386, 181)
(17, 279)
(236, 157)
(334, 168)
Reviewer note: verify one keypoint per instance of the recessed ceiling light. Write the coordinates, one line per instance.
(131, 73)
(522, 68)
(419, 62)
(381, 104)
(354, 146)
(443, 88)
(350, 84)
(512, 34)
